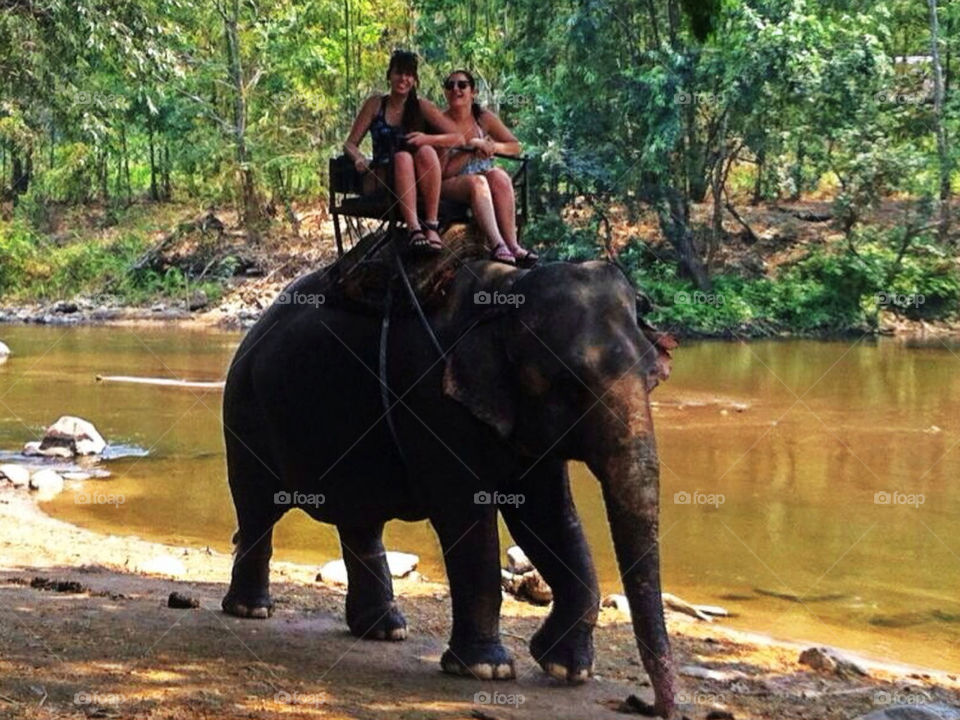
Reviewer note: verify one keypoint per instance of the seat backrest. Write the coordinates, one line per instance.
(344, 178)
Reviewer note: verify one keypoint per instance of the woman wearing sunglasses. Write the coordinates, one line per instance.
(469, 176)
(396, 123)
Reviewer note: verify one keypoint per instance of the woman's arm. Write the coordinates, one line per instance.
(447, 134)
(361, 124)
(504, 141)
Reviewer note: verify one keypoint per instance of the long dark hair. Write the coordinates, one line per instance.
(475, 108)
(405, 61)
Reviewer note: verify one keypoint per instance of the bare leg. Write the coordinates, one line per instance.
(405, 186)
(475, 190)
(504, 205)
(428, 181)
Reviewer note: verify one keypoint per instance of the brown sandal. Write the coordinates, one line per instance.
(501, 253)
(417, 241)
(434, 226)
(526, 258)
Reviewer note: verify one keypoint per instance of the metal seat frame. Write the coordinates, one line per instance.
(349, 204)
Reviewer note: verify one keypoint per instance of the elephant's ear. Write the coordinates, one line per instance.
(477, 376)
(663, 342)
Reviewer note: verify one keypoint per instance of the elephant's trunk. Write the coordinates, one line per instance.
(629, 471)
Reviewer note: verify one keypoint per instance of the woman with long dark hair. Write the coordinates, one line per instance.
(397, 123)
(471, 177)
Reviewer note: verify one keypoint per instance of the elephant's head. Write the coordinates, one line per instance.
(568, 373)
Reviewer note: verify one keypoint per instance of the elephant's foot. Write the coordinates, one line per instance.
(566, 655)
(381, 623)
(257, 605)
(484, 661)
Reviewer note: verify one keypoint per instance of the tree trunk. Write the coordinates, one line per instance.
(167, 191)
(798, 172)
(718, 180)
(675, 226)
(154, 195)
(126, 165)
(102, 171)
(944, 194)
(251, 214)
(758, 181)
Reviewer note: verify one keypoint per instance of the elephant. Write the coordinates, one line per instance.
(535, 367)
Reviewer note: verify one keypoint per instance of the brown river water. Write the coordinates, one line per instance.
(806, 485)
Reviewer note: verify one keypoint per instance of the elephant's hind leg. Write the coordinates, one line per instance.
(371, 610)
(253, 485)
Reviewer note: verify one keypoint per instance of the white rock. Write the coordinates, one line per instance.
(618, 602)
(401, 564)
(4, 352)
(333, 573)
(704, 673)
(77, 435)
(517, 561)
(163, 565)
(16, 474)
(47, 484)
(46, 481)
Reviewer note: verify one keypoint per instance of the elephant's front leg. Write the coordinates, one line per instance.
(371, 610)
(471, 552)
(547, 528)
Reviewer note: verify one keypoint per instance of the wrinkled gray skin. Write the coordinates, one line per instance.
(521, 390)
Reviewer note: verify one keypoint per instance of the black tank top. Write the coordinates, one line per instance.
(387, 138)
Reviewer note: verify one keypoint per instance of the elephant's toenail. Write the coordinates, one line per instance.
(556, 670)
(484, 671)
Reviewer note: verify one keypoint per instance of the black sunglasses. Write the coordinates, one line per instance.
(461, 84)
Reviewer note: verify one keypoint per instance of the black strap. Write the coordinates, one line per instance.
(384, 338)
(416, 303)
(384, 382)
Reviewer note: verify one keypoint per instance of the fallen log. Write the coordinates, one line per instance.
(165, 382)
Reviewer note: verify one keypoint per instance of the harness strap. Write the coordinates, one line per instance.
(384, 382)
(416, 304)
(384, 339)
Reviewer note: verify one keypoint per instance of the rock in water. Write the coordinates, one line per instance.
(517, 561)
(4, 352)
(936, 711)
(18, 475)
(47, 482)
(76, 435)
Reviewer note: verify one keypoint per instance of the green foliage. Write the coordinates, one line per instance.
(827, 292)
(32, 268)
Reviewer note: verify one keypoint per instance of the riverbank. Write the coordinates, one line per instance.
(792, 275)
(110, 647)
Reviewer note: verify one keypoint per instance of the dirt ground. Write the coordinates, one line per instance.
(113, 649)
